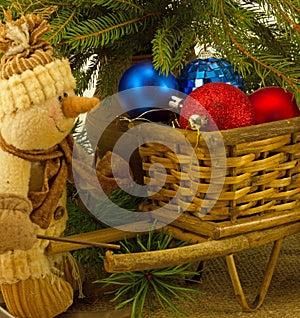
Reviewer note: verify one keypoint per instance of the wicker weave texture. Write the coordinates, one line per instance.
(261, 171)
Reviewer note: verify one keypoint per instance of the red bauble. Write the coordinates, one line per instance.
(227, 106)
(273, 103)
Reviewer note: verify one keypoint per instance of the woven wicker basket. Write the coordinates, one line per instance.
(261, 184)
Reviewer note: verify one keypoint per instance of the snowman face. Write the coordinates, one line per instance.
(38, 127)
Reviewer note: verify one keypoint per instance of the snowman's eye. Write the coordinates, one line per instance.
(60, 98)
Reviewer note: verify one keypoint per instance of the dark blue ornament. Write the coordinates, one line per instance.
(202, 71)
(139, 99)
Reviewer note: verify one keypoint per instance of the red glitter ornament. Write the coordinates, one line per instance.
(273, 103)
(219, 106)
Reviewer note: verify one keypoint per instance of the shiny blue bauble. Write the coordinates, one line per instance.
(140, 98)
(202, 71)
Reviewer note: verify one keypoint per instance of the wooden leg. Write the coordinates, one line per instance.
(236, 283)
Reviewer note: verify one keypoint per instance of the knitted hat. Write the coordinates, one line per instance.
(29, 73)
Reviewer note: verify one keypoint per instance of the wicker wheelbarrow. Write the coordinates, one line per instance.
(255, 199)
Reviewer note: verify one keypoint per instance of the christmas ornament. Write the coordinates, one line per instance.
(273, 103)
(209, 70)
(216, 106)
(140, 99)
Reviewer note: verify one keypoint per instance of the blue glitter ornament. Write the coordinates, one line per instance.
(139, 99)
(202, 71)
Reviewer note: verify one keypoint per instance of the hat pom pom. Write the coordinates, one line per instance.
(22, 44)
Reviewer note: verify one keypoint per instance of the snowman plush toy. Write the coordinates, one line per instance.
(38, 108)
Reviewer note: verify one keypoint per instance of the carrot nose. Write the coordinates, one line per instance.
(72, 106)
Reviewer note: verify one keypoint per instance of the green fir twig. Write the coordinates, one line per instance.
(144, 290)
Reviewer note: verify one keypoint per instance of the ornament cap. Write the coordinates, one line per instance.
(175, 102)
(197, 121)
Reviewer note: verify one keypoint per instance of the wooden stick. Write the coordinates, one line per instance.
(201, 251)
(66, 240)
(104, 236)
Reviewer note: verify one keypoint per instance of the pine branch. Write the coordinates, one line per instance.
(163, 46)
(260, 38)
(102, 31)
(120, 5)
(266, 63)
(185, 50)
(61, 26)
(288, 19)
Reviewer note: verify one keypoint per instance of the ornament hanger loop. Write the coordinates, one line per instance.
(140, 117)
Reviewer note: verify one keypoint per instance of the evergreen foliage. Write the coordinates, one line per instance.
(261, 38)
(161, 286)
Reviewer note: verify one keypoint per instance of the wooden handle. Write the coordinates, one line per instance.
(64, 239)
